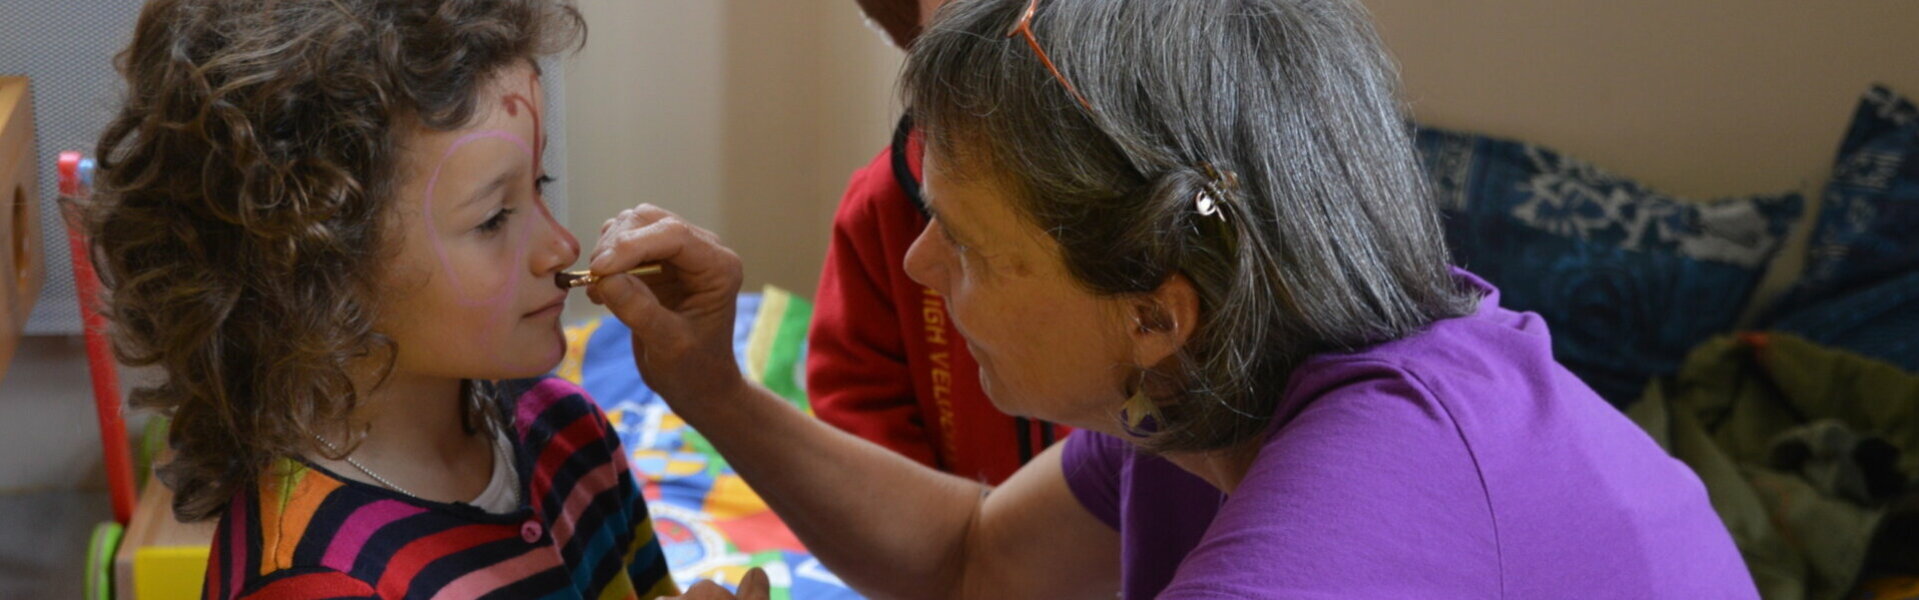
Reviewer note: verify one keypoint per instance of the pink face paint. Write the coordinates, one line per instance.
(499, 302)
(513, 102)
(502, 301)
(433, 233)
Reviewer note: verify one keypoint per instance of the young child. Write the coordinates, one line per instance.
(322, 219)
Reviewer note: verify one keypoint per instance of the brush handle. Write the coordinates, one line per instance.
(573, 279)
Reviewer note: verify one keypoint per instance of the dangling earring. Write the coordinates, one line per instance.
(1139, 416)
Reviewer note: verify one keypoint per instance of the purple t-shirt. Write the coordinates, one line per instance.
(1460, 462)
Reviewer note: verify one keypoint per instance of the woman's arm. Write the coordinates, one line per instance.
(891, 527)
(886, 525)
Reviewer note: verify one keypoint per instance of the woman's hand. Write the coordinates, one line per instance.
(682, 320)
(754, 586)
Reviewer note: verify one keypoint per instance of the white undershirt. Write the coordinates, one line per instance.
(502, 493)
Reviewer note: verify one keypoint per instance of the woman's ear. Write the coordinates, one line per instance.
(1163, 320)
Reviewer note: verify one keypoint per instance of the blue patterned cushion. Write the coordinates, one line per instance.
(1628, 279)
(1860, 290)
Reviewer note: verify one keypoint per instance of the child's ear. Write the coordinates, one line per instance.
(1163, 320)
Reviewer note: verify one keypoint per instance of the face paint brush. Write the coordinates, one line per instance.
(571, 279)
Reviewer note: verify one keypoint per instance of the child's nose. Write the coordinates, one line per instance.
(558, 245)
(569, 245)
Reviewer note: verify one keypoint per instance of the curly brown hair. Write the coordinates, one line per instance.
(243, 196)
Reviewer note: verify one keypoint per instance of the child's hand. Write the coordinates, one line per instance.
(682, 321)
(754, 586)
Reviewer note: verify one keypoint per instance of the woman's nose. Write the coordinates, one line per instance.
(923, 263)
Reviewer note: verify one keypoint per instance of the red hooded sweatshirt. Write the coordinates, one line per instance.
(883, 359)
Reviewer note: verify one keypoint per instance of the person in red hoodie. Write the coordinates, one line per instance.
(883, 361)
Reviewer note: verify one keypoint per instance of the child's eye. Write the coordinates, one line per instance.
(539, 185)
(496, 222)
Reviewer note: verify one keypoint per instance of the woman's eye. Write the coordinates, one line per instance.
(951, 241)
(496, 222)
(961, 252)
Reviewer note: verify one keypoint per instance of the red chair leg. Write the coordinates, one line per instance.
(75, 182)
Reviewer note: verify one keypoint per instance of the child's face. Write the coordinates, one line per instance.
(471, 293)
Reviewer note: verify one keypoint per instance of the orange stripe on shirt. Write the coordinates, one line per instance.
(299, 503)
(278, 482)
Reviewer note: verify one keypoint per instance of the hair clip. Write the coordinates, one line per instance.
(1210, 197)
(1207, 206)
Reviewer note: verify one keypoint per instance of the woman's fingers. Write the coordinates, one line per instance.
(682, 320)
(755, 585)
(632, 242)
(632, 303)
(706, 590)
(700, 270)
(684, 246)
(634, 217)
(624, 226)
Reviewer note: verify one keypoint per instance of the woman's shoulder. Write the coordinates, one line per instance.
(1494, 352)
(1481, 380)
(1471, 437)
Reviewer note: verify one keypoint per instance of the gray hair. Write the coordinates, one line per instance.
(1330, 239)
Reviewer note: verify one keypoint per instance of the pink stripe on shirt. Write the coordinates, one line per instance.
(480, 582)
(360, 526)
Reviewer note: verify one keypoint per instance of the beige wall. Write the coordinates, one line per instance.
(643, 101)
(811, 99)
(744, 116)
(1695, 97)
(747, 115)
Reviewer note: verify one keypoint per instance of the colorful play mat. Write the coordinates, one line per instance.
(711, 524)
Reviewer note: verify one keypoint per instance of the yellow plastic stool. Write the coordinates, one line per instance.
(160, 558)
(166, 572)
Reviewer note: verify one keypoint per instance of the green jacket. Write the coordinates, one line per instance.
(1802, 448)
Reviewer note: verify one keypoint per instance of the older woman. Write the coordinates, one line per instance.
(1195, 231)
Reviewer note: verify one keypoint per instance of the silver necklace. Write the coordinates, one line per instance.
(356, 464)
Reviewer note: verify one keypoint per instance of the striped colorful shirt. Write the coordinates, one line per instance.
(582, 530)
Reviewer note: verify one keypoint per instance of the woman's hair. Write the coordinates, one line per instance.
(243, 198)
(1286, 111)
